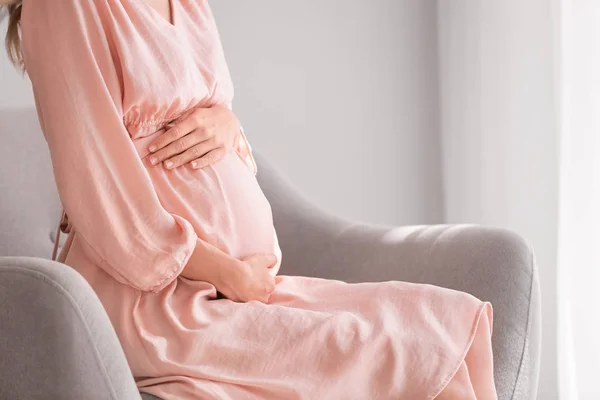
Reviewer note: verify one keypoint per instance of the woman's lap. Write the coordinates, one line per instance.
(316, 337)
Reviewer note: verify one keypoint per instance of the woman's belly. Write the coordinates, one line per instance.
(223, 202)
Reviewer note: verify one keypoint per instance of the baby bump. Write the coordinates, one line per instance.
(223, 201)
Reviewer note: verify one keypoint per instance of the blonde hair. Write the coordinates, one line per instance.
(13, 38)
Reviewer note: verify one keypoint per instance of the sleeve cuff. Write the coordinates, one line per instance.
(165, 276)
(169, 276)
(151, 275)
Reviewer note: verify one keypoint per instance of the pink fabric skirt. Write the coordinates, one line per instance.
(316, 339)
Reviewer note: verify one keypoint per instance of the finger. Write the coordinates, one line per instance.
(172, 149)
(271, 260)
(198, 122)
(262, 297)
(193, 153)
(270, 291)
(172, 133)
(209, 158)
(271, 285)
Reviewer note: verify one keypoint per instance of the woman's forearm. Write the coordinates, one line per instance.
(210, 264)
(239, 280)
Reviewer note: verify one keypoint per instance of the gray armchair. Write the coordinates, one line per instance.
(56, 341)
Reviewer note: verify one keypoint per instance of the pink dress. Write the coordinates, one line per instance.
(107, 76)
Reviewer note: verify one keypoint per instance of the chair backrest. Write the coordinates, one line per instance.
(29, 204)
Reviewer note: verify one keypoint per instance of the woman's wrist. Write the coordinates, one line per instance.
(208, 263)
(228, 273)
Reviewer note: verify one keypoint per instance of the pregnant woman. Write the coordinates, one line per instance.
(185, 260)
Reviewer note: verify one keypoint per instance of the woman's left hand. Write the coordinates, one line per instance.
(201, 139)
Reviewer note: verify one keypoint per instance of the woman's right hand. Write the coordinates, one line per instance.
(252, 280)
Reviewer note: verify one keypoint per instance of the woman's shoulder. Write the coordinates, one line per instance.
(60, 24)
(59, 15)
(55, 9)
(68, 3)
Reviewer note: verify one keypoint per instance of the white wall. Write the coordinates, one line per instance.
(342, 96)
(15, 91)
(500, 129)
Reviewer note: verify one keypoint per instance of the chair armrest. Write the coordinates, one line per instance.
(56, 340)
(495, 265)
(492, 264)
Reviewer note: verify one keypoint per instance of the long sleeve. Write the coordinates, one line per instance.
(103, 185)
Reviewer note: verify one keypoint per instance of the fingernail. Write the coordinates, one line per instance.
(194, 164)
(153, 160)
(152, 148)
(169, 164)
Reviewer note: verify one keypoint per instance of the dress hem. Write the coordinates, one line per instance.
(486, 306)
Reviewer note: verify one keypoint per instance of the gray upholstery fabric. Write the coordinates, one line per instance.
(29, 204)
(43, 333)
(56, 341)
